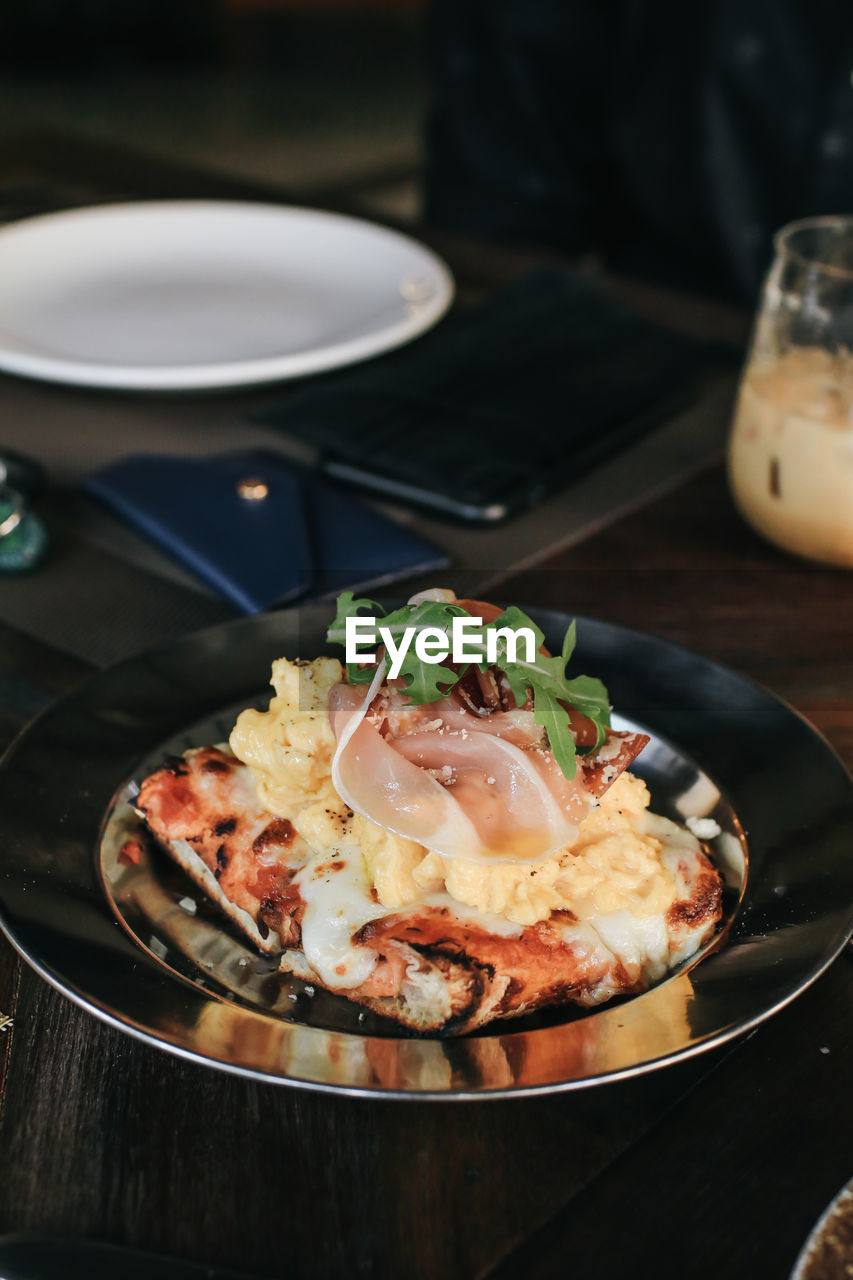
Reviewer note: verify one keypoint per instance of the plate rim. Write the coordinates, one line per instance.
(799, 1269)
(263, 623)
(223, 375)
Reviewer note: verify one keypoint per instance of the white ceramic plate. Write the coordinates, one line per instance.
(192, 294)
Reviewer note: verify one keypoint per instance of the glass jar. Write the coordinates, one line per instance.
(791, 445)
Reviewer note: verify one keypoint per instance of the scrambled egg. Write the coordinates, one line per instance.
(613, 864)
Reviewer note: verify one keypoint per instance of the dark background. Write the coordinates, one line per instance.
(667, 141)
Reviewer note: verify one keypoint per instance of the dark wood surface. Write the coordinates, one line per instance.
(688, 569)
(732, 1156)
(719, 1165)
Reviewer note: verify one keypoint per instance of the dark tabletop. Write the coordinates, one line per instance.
(717, 1165)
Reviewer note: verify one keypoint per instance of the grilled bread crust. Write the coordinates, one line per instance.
(436, 971)
(204, 811)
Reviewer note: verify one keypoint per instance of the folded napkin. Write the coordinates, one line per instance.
(257, 528)
(497, 407)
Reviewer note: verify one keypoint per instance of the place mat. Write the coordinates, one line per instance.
(105, 593)
(500, 405)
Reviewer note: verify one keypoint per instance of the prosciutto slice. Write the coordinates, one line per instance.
(471, 775)
(480, 787)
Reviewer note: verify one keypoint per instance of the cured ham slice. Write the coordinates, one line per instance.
(480, 787)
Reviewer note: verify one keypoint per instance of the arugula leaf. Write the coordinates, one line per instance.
(544, 675)
(569, 641)
(515, 618)
(590, 697)
(429, 613)
(516, 672)
(349, 607)
(427, 682)
(555, 721)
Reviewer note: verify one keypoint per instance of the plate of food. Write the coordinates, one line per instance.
(414, 871)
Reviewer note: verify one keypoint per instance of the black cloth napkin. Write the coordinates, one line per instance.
(496, 408)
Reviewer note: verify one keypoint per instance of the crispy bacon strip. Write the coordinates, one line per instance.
(617, 753)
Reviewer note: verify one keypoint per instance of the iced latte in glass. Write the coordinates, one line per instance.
(791, 445)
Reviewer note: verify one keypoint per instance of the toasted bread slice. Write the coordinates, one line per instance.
(434, 966)
(204, 810)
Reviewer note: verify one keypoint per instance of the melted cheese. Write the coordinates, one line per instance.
(338, 902)
(615, 867)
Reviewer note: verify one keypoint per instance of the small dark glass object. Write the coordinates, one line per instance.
(23, 537)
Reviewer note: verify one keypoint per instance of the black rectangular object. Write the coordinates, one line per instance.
(498, 407)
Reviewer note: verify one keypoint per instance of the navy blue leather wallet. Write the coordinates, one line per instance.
(260, 530)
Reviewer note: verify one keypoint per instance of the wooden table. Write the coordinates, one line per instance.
(718, 1165)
